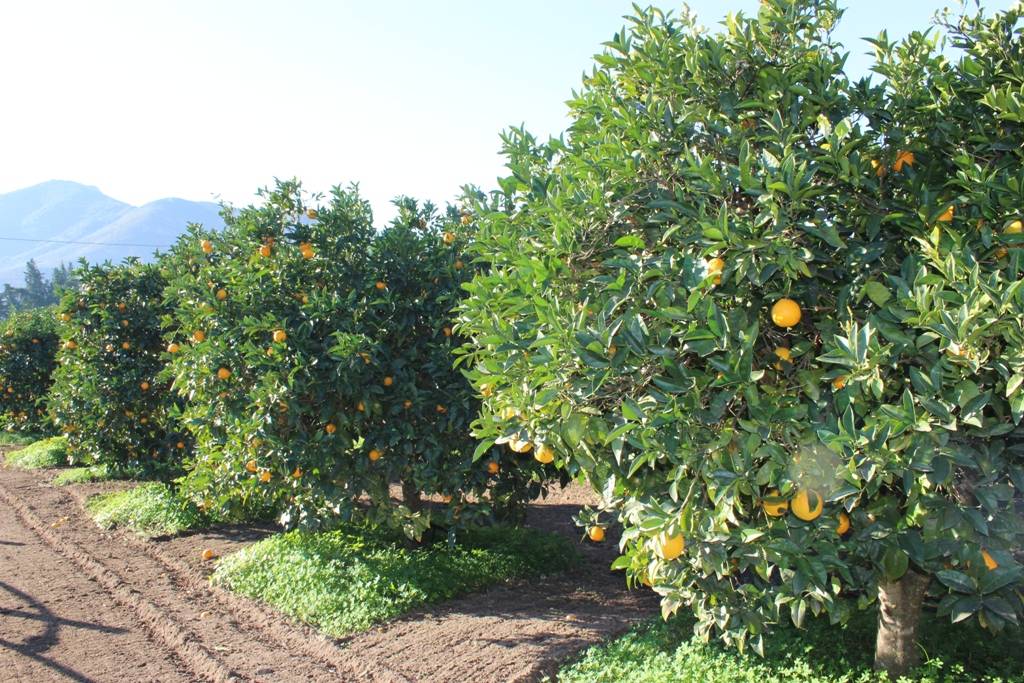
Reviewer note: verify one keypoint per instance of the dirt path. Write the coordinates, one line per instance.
(54, 621)
(77, 603)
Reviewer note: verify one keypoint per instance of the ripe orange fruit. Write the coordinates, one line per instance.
(297, 473)
(786, 313)
(199, 336)
(774, 508)
(265, 476)
(280, 336)
(459, 265)
(388, 381)
(250, 466)
(109, 348)
(374, 455)
(545, 454)
(839, 382)
(173, 348)
(180, 445)
(449, 237)
(493, 467)
(144, 386)
(361, 407)
(519, 446)
(903, 158)
(380, 285)
(879, 167)
(312, 214)
(947, 215)
(121, 307)
(222, 294)
(596, 534)
(307, 250)
(330, 428)
(671, 547)
(466, 219)
(208, 554)
(207, 246)
(407, 404)
(784, 355)
(844, 523)
(440, 409)
(447, 331)
(265, 250)
(65, 317)
(126, 345)
(365, 357)
(808, 505)
(990, 562)
(223, 373)
(715, 268)
(70, 345)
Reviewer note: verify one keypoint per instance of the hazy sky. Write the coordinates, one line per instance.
(206, 99)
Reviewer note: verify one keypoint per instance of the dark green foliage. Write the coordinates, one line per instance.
(626, 318)
(363, 366)
(108, 396)
(28, 358)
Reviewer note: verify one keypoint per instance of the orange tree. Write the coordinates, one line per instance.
(315, 357)
(28, 356)
(107, 396)
(775, 318)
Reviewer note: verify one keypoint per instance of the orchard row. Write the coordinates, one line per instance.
(773, 315)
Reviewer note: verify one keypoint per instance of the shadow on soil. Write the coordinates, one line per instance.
(35, 646)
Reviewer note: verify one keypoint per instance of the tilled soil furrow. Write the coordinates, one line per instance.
(268, 625)
(200, 662)
(519, 632)
(514, 632)
(188, 605)
(58, 624)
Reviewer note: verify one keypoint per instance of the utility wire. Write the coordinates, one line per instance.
(95, 244)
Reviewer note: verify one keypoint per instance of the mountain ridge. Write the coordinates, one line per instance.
(45, 221)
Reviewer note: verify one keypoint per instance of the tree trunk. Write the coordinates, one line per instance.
(899, 612)
(411, 496)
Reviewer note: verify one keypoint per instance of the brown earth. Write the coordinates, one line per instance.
(78, 603)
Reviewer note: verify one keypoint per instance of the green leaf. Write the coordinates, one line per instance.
(964, 608)
(894, 563)
(1013, 384)
(958, 581)
(630, 241)
(877, 292)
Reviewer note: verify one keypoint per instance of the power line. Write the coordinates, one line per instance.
(94, 244)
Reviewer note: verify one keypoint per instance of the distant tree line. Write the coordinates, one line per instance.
(38, 290)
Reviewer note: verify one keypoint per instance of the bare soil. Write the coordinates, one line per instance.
(78, 603)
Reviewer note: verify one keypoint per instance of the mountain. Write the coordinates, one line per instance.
(64, 211)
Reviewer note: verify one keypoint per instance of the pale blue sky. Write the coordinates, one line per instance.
(201, 98)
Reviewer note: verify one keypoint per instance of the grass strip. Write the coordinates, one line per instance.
(346, 580)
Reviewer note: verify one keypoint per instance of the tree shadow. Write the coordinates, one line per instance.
(35, 646)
